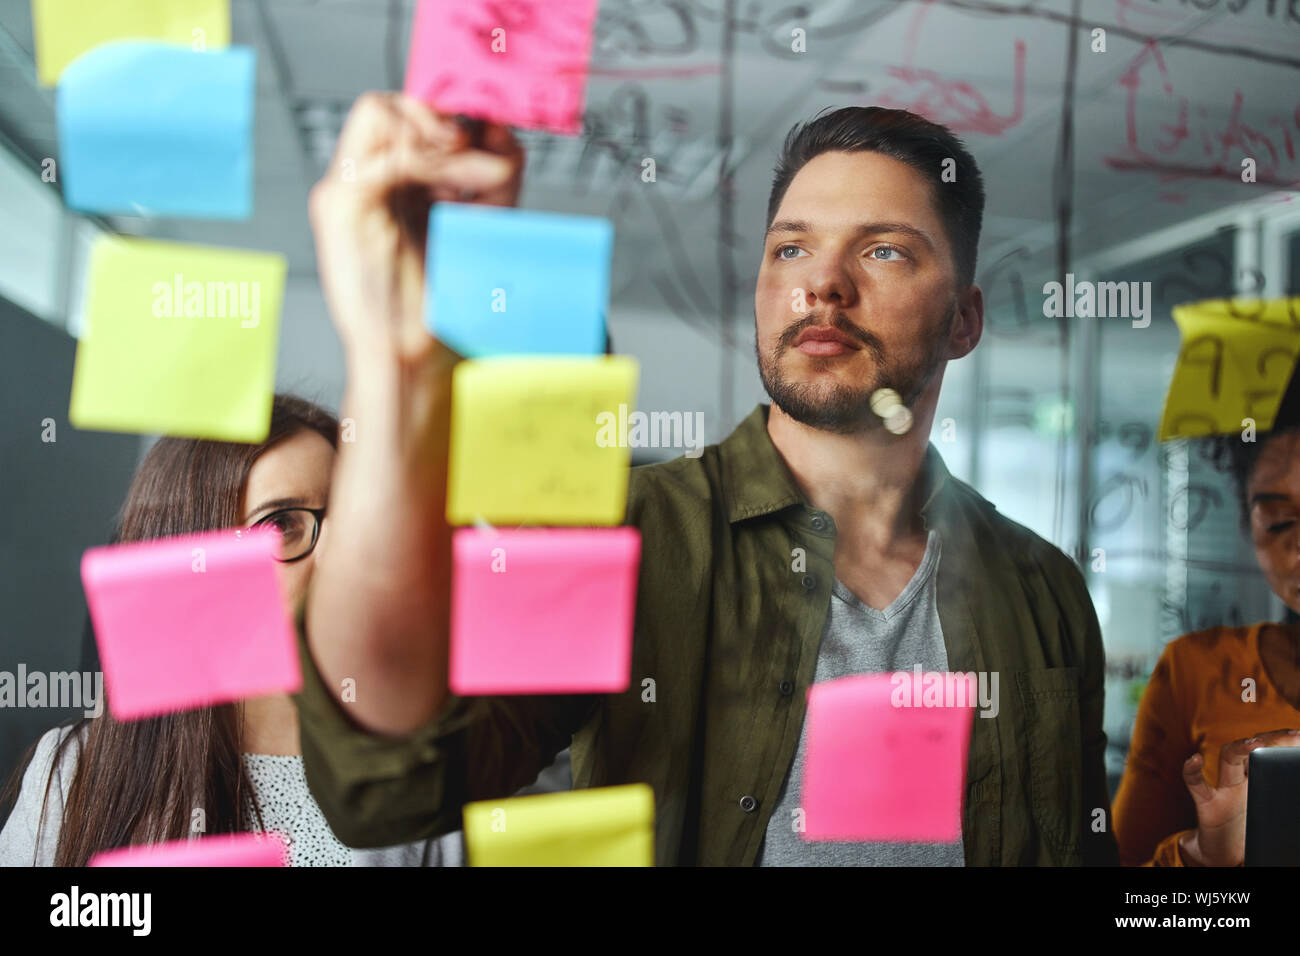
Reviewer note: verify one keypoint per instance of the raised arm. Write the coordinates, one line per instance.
(378, 608)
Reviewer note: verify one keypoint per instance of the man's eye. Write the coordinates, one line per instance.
(780, 251)
(892, 253)
(1279, 526)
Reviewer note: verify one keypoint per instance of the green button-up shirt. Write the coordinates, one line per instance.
(733, 594)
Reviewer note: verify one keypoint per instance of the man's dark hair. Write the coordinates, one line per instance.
(908, 138)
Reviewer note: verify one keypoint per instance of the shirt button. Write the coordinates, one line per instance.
(809, 582)
(787, 688)
(748, 803)
(818, 523)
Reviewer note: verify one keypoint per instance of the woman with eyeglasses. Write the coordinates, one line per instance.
(102, 784)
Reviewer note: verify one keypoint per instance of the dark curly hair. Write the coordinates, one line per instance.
(1229, 453)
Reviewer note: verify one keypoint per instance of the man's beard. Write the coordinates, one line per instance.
(840, 408)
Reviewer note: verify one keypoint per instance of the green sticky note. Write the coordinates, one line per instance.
(604, 826)
(178, 340)
(1236, 359)
(65, 29)
(535, 440)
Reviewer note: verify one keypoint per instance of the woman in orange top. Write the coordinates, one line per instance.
(1216, 695)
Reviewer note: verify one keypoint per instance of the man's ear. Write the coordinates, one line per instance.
(967, 324)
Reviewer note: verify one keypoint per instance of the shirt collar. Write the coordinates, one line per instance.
(758, 482)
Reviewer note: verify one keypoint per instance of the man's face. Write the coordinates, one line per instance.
(857, 291)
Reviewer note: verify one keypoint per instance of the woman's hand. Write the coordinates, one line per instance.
(369, 213)
(1220, 835)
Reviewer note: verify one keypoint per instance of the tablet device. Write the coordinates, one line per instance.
(1273, 807)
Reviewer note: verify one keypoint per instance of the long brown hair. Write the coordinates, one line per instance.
(140, 782)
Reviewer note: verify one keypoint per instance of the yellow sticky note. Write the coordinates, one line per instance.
(65, 29)
(178, 340)
(528, 445)
(1235, 361)
(605, 826)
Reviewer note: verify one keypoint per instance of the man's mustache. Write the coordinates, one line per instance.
(841, 322)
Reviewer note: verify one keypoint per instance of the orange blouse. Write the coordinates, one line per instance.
(1195, 702)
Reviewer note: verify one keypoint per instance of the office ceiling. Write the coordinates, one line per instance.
(1161, 119)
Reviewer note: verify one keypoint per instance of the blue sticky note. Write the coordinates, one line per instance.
(149, 128)
(513, 282)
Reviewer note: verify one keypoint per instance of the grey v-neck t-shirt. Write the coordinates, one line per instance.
(861, 640)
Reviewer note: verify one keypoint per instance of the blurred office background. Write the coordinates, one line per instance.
(1122, 163)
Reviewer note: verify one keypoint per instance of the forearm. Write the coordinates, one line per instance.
(379, 603)
(378, 610)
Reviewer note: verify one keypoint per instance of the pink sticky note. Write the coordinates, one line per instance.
(228, 849)
(190, 621)
(522, 63)
(543, 610)
(881, 765)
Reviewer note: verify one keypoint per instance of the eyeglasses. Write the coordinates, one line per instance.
(299, 529)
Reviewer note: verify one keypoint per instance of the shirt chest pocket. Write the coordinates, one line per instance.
(1049, 707)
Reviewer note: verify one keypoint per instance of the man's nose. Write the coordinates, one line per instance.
(829, 281)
